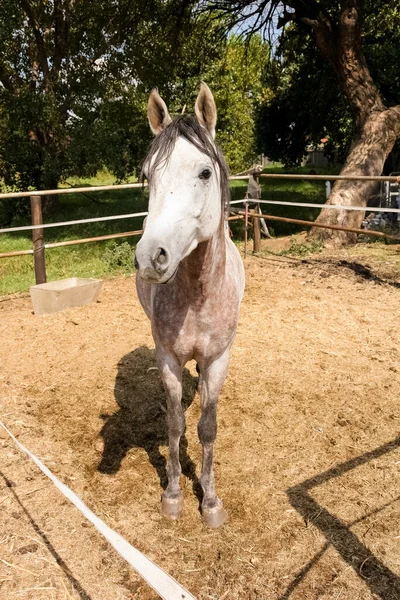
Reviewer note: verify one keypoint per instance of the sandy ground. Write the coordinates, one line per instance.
(307, 455)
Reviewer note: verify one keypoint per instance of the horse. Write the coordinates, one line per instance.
(189, 279)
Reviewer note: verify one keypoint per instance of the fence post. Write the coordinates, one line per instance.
(37, 239)
(256, 231)
(246, 222)
(256, 222)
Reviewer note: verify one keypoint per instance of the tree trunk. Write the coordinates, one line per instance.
(377, 127)
(367, 156)
(50, 202)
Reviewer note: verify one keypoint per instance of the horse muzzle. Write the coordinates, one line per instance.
(155, 266)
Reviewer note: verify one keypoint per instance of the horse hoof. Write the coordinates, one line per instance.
(214, 517)
(172, 507)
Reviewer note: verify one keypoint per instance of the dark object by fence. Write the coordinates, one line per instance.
(37, 239)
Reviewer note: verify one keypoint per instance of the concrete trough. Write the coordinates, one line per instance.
(59, 295)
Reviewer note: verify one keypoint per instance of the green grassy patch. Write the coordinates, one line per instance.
(86, 260)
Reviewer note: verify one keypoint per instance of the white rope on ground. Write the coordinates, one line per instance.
(381, 209)
(61, 224)
(162, 583)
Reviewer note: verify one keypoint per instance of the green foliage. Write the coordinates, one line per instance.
(236, 81)
(233, 70)
(75, 79)
(307, 104)
(298, 248)
(119, 257)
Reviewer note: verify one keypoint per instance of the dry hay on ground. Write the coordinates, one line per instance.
(307, 450)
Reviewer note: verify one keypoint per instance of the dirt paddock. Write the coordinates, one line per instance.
(307, 454)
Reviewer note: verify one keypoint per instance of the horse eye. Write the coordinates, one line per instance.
(206, 174)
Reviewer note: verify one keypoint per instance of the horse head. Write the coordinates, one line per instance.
(188, 183)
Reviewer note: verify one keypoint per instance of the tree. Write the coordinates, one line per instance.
(74, 80)
(337, 28)
(235, 75)
(237, 84)
(294, 115)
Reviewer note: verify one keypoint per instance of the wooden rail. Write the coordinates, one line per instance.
(391, 178)
(254, 215)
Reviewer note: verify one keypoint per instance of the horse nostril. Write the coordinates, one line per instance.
(135, 262)
(161, 256)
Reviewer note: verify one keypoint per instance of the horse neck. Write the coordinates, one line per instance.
(206, 264)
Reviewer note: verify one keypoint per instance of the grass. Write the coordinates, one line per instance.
(86, 260)
(108, 258)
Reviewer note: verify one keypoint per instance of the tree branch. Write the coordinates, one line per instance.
(353, 72)
(286, 18)
(42, 56)
(60, 36)
(5, 79)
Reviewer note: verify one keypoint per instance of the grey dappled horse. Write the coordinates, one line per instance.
(190, 278)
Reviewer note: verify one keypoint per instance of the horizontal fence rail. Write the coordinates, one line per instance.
(77, 222)
(320, 206)
(143, 214)
(390, 178)
(97, 188)
(38, 226)
(313, 224)
(127, 186)
(99, 238)
(73, 190)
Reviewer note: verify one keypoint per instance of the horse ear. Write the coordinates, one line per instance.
(157, 112)
(205, 109)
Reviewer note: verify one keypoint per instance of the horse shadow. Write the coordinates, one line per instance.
(140, 421)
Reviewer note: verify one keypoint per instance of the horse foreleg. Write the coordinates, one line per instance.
(213, 377)
(171, 375)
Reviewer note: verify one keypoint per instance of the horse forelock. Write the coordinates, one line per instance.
(189, 128)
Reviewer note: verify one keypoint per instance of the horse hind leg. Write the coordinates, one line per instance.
(213, 377)
(171, 375)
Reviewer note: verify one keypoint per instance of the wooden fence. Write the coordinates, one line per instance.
(251, 214)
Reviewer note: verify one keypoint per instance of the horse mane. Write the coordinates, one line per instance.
(189, 128)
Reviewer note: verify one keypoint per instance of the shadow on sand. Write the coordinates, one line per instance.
(382, 582)
(76, 586)
(141, 419)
